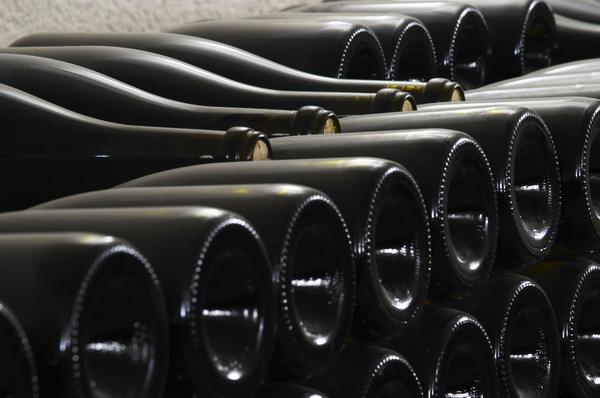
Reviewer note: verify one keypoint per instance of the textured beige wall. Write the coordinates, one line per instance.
(22, 17)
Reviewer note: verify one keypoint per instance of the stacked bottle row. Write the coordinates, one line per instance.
(356, 250)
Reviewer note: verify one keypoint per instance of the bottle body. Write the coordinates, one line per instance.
(459, 32)
(460, 197)
(224, 60)
(95, 95)
(328, 48)
(194, 252)
(523, 158)
(67, 316)
(310, 252)
(387, 220)
(520, 322)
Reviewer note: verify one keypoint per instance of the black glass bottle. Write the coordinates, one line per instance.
(586, 89)
(339, 49)
(225, 60)
(457, 185)
(451, 354)
(176, 80)
(92, 94)
(364, 371)
(577, 39)
(217, 285)
(310, 252)
(586, 65)
(48, 152)
(520, 322)
(459, 32)
(523, 35)
(93, 311)
(523, 159)
(574, 125)
(386, 217)
(582, 10)
(406, 42)
(573, 287)
(18, 369)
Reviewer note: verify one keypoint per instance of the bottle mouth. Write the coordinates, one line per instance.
(536, 196)
(588, 339)
(470, 218)
(530, 352)
(538, 39)
(119, 339)
(232, 307)
(471, 51)
(401, 254)
(261, 151)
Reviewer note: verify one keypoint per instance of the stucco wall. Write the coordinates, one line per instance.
(21, 17)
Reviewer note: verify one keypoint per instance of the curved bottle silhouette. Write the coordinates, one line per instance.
(525, 166)
(582, 10)
(216, 281)
(287, 390)
(573, 123)
(455, 179)
(386, 217)
(459, 32)
(176, 80)
(19, 377)
(50, 152)
(523, 35)
(309, 249)
(573, 287)
(97, 322)
(576, 38)
(365, 371)
(520, 322)
(345, 50)
(459, 359)
(225, 60)
(406, 42)
(92, 94)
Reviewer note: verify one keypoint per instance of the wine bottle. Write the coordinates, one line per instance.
(573, 287)
(49, 152)
(287, 390)
(309, 249)
(586, 89)
(387, 220)
(340, 49)
(179, 81)
(364, 371)
(225, 60)
(545, 80)
(525, 166)
(582, 10)
(586, 65)
(217, 285)
(576, 38)
(406, 42)
(459, 32)
(93, 311)
(451, 354)
(18, 369)
(573, 123)
(92, 94)
(456, 182)
(521, 325)
(523, 35)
